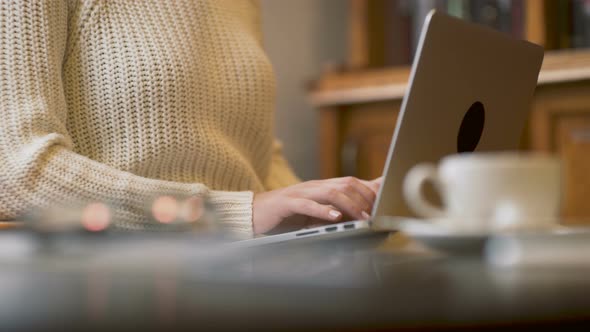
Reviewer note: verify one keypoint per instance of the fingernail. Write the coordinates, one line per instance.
(335, 214)
(365, 215)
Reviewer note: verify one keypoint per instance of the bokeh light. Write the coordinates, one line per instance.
(96, 217)
(191, 209)
(165, 209)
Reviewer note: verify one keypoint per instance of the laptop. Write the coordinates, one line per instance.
(470, 89)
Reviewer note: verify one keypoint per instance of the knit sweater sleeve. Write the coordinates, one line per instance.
(280, 174)
(38, 165)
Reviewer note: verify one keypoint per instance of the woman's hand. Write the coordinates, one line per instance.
(314, 202)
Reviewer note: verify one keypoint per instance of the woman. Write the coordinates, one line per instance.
(122, 101)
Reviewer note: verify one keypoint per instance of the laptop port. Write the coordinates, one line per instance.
(306, 233)
(349, 226)
(331, 228)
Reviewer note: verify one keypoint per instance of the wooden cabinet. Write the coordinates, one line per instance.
(358, 112)
(368, 129)
(561, 122)
(573, 137)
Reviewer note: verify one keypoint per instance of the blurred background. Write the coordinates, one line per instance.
(301, 37)
(342, 68)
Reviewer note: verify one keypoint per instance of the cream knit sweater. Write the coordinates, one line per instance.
(120, 101)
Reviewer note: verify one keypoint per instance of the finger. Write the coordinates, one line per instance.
(344, 193)
(351, 202)
(373, 185)
(352, 192)
(357, 191)
(353, 208)
(314, 209)
(354, 187)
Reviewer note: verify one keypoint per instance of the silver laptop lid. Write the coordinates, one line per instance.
(459, 66)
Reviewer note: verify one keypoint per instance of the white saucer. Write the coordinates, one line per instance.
(433, 234)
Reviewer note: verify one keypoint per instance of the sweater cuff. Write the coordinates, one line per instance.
(234, 212)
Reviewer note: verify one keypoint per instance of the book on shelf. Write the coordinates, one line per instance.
(563, 17)
(580, 36)
(398, 33)
(517, 19)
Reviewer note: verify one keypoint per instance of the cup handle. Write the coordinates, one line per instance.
(413, 183)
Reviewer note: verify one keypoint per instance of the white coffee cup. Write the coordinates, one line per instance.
(483, 192)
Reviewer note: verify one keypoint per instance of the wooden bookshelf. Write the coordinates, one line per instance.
(390, 83)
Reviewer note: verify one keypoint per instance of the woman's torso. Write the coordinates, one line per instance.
(173, 90)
